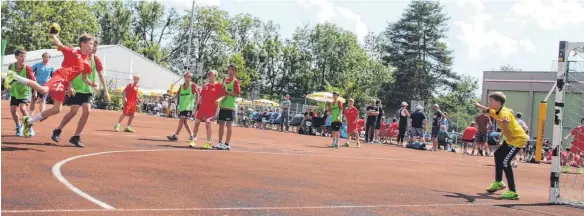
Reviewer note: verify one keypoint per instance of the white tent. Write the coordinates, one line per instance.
(119, 62)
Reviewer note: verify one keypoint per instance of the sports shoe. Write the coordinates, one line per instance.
(129, 129)
(225, 147)
(174, 137)
(496, 186)
(207, 145)
(358, 145)
(566, 169)
(192, 142)
(26, 130)
(347, 145)
(9, 79)
(117, 127)
(56, 135)
(19, 130)
(509, 195)
(31, 132)
(333, 145)
(580, 170)
(76, 140)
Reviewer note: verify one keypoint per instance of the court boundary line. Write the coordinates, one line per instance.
(258, 208)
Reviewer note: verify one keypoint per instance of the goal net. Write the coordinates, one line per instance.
(567, 174)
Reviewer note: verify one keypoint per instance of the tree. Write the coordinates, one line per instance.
(458, 101)
(115, 19)
(25, 23)
(423, 63)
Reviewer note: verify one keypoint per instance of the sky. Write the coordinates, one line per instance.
(484, 34)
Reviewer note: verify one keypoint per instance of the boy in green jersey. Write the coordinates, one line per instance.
(336, 110)
(231, 91)
(188, 95)
(81, 96)
(20, 94)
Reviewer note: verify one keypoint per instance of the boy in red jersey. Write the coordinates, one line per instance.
(352, 115)
(82, 98)
(393, 130)
(75, 62)
(209, 100)
(577, 149)
(130, 100)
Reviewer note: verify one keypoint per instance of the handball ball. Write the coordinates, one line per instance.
(54, 28)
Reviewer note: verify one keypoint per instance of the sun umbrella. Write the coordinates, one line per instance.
(323, 97)
(264, 102)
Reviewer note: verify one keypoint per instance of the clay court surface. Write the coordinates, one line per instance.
(265, 173)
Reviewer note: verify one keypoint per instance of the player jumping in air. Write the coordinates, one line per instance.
(131, 100)
(516, 138)
(207, 106)
(187, 95)
(352, 115)
(75, 62)
(335, 108)
(20, 94)
(231, 91)
(82, 97)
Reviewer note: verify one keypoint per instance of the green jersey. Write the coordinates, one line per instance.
(19, 90)
(229, 101)
(186, 98)
(336, 112)
(82, 87)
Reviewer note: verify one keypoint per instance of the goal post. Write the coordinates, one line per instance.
(562, 82)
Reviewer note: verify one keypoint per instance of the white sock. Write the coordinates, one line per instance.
(36, 118)
(21, 79)
(31, 113)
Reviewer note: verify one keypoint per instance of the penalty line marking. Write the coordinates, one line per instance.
(254, 208)
(58, 174)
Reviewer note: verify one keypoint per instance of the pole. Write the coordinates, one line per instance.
(188, 63)
(541, 124)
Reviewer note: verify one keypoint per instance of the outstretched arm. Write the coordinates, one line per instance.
(57, 41)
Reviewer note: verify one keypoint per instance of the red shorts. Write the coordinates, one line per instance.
(576, 149)
(130, 108)
(57, 87)
(206, 112)
(351, 128)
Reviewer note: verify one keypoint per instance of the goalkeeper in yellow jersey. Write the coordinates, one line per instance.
(516, 138)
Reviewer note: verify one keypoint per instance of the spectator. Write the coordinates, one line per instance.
(468, 137)
(372, 113)
(418, 123)
(444, 138)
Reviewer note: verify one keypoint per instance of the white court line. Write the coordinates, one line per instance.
(254, 208)
(57, 173)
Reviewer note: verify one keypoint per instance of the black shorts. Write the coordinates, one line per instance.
(336, 126)
(78, 99)
(481, 137)
(225, 115)
(377, 125)
(435, 131)
(17, 102)
(42, 97)
(185, 114)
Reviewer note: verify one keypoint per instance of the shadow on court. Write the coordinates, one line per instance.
(37, 144)
(469, 198)
(10, 148)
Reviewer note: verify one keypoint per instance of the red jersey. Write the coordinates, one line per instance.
(469, 133)
(76, 61)
(578, 134)
(351, 114)
(394, 126)
(131, 92)
(383, 126)
(236, 86)
(210, 93)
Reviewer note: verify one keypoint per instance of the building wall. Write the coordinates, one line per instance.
(525, 91)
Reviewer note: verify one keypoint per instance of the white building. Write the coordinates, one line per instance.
(120, 64)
